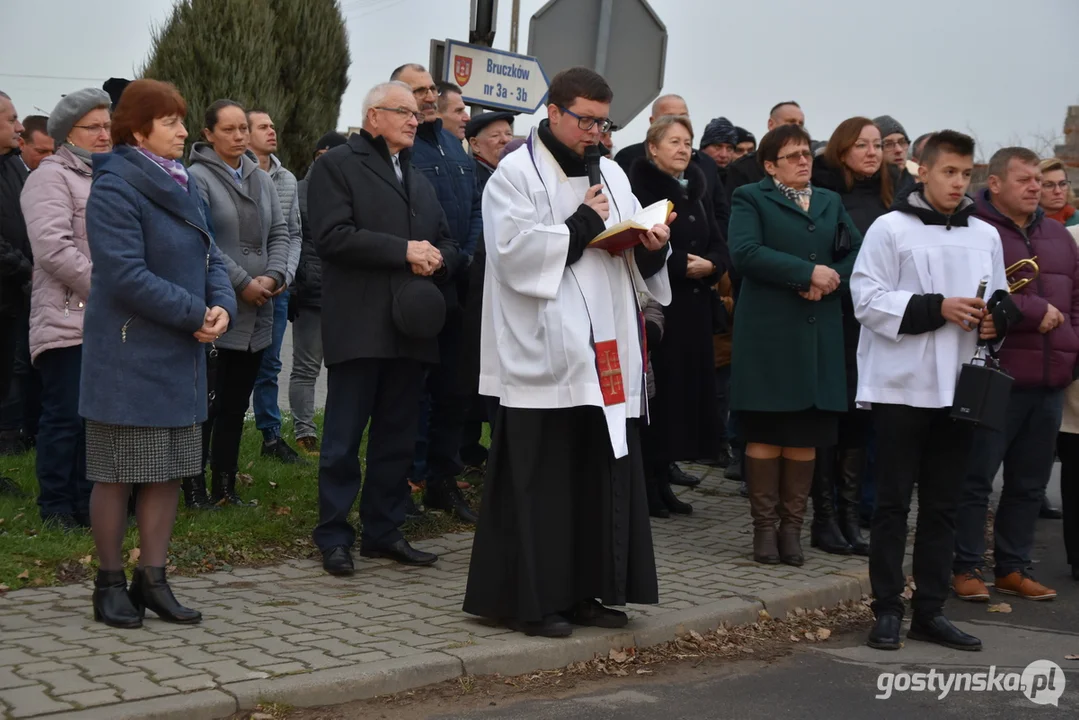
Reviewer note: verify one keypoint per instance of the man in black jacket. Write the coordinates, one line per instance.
(384, 244)
(675, 105)
(305, 312)
(746, 169)
(16, 260)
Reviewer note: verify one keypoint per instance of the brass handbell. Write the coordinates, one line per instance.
(1014, 285)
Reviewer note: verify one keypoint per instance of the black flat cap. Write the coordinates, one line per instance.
(419, 308)
(479, 122)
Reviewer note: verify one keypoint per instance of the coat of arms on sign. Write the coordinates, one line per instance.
(462, 69)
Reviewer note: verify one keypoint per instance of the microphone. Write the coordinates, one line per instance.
(592, 155)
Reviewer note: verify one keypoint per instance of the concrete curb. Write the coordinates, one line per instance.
(201, 705)
(512, 657)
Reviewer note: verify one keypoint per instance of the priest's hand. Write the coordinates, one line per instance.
(423, 257)
(596, 200)
(698, 267)
(964, 312)
(658, 236)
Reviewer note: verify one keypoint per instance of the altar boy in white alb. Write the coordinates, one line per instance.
(564, 521)
(914, 286)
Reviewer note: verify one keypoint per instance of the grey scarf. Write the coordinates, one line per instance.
(85, 155)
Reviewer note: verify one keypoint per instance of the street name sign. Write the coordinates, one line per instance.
(495, 79)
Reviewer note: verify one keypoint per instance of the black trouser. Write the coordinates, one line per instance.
(448, 406)
(230, 378)
(7, 353)
(924, 447)
(20, 410)
(385, 392)
(1068, 450)
(473, 453)
(61, 450)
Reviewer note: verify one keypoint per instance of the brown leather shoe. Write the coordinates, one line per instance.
(1023, 585)
(762, 478)
(970, 586)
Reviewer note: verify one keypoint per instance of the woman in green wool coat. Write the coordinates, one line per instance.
(793, 245)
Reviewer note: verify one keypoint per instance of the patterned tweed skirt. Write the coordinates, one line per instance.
(123, 454)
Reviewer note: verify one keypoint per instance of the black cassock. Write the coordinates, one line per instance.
(562, 519)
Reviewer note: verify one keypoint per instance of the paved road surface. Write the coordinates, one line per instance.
(839, 680)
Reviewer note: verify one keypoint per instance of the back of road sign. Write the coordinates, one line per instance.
(623, 40)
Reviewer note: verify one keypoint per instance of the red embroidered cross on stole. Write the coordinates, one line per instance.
(610, 373)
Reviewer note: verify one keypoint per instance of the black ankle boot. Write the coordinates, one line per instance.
(671, 500)
(224, 488)
(851, 462)
(150, 589)
(656, 507)
(195, 496)
(112, 606)
(824, 534)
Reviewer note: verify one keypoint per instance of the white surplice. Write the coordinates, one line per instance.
(901, 257)
(540, 317)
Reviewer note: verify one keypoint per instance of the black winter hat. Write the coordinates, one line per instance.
(720, 131)
(115, 88)
(329, 141)
(419, 308)
(743, 135)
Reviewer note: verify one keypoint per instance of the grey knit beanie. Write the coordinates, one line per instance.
(71, 108)
(719, 131)
(889, 126)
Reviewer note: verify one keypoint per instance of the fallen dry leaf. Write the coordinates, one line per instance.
(134, 555)
(810, 636)
(85, 560)
(37, 582)
(1000, 608)
(824, 634)
(273, 484)
(696, 636)
(245, 479)
(24, 575)
(170, 569)
(618, 656)
(17, 517)
(38, 563)
(2, 521)
(4, 588)
(1066, 657)
(794, 638)
(250, 465)
(283, 510)
(763, 615)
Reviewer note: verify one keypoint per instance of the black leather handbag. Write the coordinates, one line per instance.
(842, 244)
(982, 392)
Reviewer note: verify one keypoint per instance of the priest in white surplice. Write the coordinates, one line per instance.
(564, 522)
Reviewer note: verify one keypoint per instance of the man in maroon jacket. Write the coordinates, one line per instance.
(1040, 353)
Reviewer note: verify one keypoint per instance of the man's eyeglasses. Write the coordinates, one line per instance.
(95, 129)
(424, 91)
(796, 156)
(587, 123)
(893, 144)
(403, 112)
(1049, 185)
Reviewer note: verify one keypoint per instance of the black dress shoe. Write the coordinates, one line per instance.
(443, 494)
(940, 630)
(1048, 512)
(63, 523)
(671, 501)
(9, 488)
(400, 552)
(278, 449)
(590, 613)
(743, 489)
(413, 511)
(552, 626)
(677, 476)
(885, 633)
(338, 561)
(734, 471)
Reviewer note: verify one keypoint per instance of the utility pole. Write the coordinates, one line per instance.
(514, 24)
(482, 23)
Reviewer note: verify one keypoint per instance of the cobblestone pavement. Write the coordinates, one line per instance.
(267, 629)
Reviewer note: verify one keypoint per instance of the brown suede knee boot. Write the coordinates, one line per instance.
(762, 478)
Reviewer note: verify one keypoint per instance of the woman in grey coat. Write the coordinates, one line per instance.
(252, 234)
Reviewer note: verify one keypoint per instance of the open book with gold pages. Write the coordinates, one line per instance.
(627, 233)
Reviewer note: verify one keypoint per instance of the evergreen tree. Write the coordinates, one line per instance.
(288, 57)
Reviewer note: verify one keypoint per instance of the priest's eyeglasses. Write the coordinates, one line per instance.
(587, 123)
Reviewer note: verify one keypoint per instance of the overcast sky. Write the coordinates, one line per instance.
(1002, 69)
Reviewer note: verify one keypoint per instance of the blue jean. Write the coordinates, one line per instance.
(1027, 449)
(267, 411)
(61, 440)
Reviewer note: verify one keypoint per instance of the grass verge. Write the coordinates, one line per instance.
(278, 528)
